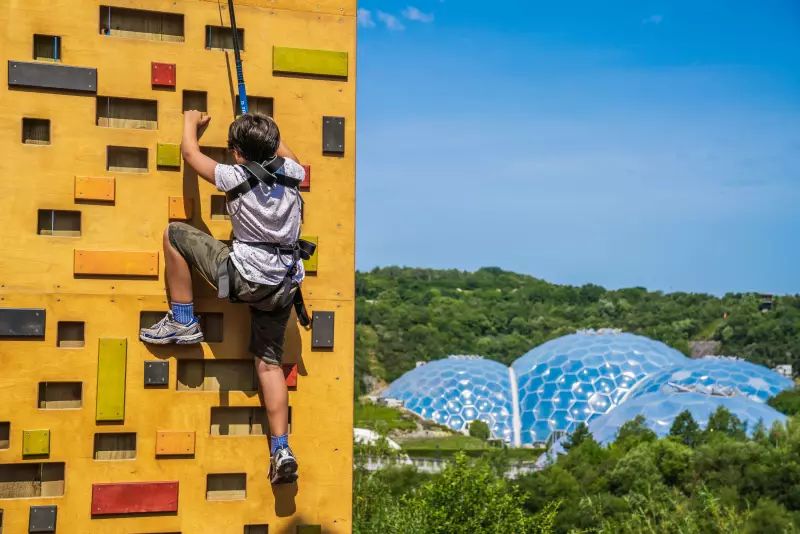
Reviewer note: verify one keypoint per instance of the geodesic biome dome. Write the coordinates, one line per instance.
(457, 390)
(660, 410)
(578, 377)
(717, 374)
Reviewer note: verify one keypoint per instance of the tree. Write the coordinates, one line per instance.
(468, 498)
(722, 421)
(479, 429)
(634, 432)
(685, 429)
(578, 436)
(787, 402)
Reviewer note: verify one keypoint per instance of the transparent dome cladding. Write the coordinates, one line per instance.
(580, 378)
(458, 390)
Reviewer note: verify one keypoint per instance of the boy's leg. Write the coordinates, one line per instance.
(184, 247)
(268, 330)
(276, 396)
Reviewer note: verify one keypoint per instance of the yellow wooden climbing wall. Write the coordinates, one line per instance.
(100, 433)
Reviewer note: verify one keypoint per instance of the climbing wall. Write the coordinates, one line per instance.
(100, 433)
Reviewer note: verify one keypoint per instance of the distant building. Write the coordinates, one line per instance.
(767, 303)
(390, 402)
(784, 370)
(420, 364)
(704, 348)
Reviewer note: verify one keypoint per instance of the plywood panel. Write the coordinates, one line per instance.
(111, 364)
(174, 443)
(52, 76)
(181, 208)
(100, 188)
(168, 155)
(116, 263)
(134, 498)
(304, 61)
(35, 442)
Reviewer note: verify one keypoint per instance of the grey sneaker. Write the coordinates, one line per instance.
(168, 330)
(283, 467)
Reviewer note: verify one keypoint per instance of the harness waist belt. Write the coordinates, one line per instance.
(304, 249)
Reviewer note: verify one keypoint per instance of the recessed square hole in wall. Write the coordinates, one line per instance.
(256, 104)
(221, 38)
(70, 334)
(149, 318)
(47, 47)
(59, 223)
(216, 375)
(31, 480)
(211, 325)
(195, 100)
(256, 529)
(126, 159)
(115, 446)
(219, 209)
(127, 113)
(60, 395)
(309, 529)
(5, 434)
(36, 131)
(218, 154)
(226, 487)
(240, 421)
(141, 24)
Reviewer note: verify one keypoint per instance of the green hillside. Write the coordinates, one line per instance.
(405, 315)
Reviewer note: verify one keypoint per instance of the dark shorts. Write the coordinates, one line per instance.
(205, 254)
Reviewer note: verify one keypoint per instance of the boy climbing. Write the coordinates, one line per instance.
(262, 268)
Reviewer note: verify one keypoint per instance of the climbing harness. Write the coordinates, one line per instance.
(265, 174)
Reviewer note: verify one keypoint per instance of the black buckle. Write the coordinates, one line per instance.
(306, 248)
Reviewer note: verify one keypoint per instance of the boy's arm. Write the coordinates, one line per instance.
(194, 124)
(286, 152)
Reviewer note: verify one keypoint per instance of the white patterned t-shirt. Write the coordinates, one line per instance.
(263, 214)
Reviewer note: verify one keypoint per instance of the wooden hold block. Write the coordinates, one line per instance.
(290, 374)
(134, 498)
(181, 208)
(111, 362)
(312, 263)
(174, 443)
(168, 155)
(22, 322)
(305, 185)
(156, 373)
(42, 518)
(35, 442)
(322, 330)
(51, 76)
(306, 61)
(95, 188)
(333, 136)
(115, 263)
(162, 74)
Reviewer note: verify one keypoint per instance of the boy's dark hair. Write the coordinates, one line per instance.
(255, 136)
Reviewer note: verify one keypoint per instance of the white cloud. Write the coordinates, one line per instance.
(412, 13)
(653, 19)
(365, 18)
(390, 21)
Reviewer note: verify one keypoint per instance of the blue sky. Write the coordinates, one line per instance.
(633, 143)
